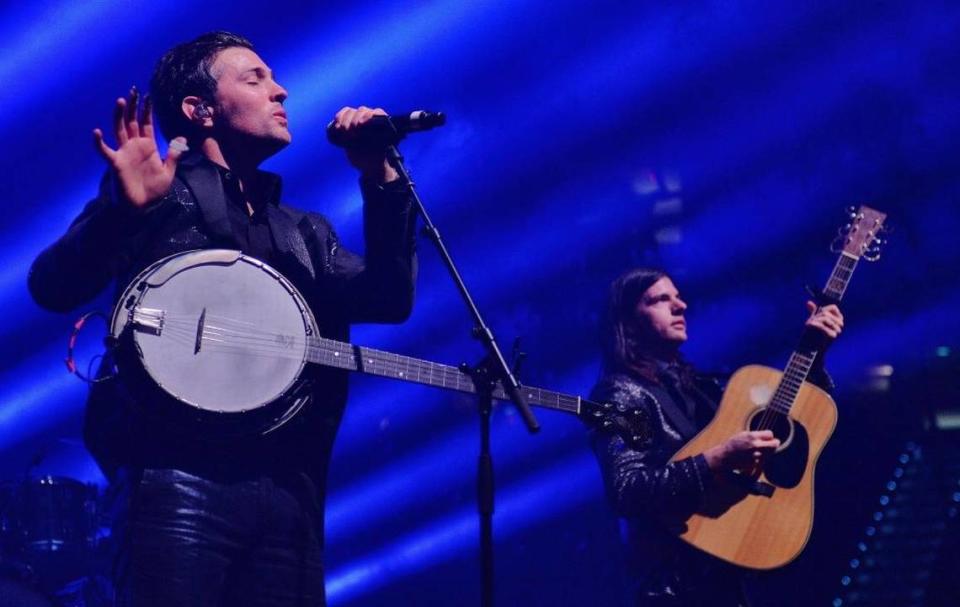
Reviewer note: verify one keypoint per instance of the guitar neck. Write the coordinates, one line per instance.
(332, 353)
(801, 361)
(840, 277)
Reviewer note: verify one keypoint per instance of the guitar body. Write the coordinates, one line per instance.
(765, 521)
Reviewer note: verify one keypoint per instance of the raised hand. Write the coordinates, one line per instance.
(141, 175)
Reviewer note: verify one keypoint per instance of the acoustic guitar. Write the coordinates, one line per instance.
(763, 520)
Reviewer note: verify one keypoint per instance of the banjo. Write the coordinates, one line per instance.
(220, 339)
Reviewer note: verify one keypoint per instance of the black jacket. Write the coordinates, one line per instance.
(111, 243)
(654, 497)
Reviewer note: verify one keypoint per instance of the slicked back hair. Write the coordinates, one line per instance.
(184, 70)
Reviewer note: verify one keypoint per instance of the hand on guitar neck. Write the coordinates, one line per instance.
(822, 327)
(827, 321)
(744, 451)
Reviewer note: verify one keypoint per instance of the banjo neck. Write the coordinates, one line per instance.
(232, 356)
(332, 353)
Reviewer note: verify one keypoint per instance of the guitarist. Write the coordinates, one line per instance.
(668, 404)
(229, 522)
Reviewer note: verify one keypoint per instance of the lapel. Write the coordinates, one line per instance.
(674, 412)
(203, 180)
(288, 239)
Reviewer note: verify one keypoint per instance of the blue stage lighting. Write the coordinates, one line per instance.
(547, 494)
(36, 395)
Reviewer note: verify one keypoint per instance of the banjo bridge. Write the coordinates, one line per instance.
(148, 320)
(199, 340)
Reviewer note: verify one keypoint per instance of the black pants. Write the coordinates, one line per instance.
(193, 541)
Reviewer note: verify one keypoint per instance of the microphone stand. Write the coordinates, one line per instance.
(491, 370)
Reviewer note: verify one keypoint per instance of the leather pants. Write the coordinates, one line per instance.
(188, 540)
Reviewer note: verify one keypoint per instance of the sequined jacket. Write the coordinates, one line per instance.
(654, 497)
(109, 242)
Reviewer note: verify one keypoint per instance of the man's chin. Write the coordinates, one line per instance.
(274, 144)
(282, 139)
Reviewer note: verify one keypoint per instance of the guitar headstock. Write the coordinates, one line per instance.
(860, 237)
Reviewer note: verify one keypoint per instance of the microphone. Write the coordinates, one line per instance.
(381, 131)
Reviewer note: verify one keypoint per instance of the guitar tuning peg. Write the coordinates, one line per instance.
(837, 245)
(851, 211)
(872, 254)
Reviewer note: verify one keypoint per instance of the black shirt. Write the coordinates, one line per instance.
(252, 232)
(687, 398)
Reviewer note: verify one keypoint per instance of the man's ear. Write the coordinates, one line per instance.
(197, 111)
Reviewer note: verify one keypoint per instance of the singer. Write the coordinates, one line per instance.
(240, 521)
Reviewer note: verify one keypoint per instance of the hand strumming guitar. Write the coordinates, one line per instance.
(744, 451)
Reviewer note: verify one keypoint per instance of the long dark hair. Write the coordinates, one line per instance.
(622, 349)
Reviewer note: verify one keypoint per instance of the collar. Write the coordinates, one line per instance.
(268, 186)
(206, 183)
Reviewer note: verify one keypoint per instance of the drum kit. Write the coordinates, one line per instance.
(54, 547)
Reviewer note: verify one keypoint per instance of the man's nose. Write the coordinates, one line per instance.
(279, 93)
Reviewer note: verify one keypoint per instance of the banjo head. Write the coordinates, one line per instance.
(216, 330)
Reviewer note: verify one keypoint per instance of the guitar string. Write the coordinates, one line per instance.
(436, 375)
(325, 347)
(787, 390)
(263, 343)
(792, 379)
(383, 363)
(379, 361)
(251, 341)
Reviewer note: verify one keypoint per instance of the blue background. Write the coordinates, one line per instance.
(721, 140)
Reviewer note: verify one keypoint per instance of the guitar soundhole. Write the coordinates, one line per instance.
(781, 425)
(785, 467)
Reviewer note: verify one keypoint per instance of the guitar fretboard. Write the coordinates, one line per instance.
(798, 367)
(796, 372)
(840, 277)
(332, 353)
